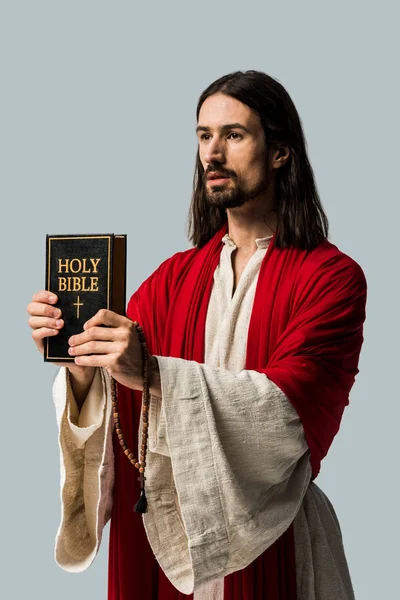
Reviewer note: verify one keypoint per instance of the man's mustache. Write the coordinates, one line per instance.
(219, 170)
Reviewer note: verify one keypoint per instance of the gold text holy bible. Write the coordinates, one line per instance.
(87, 272)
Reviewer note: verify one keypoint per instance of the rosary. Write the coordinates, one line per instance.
(141, 504)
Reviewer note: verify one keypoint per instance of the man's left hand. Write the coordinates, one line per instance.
(115, 347)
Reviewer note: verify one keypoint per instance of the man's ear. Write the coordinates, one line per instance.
(280, 156)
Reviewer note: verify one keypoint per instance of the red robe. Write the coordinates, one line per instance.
(305, 334)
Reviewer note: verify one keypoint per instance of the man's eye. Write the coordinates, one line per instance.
(206, 136)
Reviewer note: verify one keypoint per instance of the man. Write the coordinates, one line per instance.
(255, 335)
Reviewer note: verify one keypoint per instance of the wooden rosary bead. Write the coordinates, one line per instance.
(141, 505)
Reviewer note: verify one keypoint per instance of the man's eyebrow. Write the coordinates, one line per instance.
(223, 128)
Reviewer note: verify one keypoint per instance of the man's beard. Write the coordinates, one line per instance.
(231, 196)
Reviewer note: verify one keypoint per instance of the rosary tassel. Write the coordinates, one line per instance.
(141, 504)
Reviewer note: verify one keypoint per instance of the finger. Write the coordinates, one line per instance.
(94, 360)
(96, 333)
(105, 317)
(44, 296)
(39, 309)
(37, 322)
(39, 335)
(93, 347)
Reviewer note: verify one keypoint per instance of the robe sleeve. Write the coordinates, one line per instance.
(158, 441)
(86, 470)
(83, 423)
(236, 474)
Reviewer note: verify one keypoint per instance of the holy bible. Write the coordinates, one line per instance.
(87, 272)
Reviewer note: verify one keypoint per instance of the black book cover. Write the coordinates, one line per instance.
(87, 272)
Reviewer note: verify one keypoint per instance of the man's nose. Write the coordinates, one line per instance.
(214, 152)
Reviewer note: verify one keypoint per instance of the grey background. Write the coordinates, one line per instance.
(97, 135)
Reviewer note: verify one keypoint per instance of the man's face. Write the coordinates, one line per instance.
(232, 145)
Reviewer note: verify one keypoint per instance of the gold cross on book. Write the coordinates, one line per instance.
(78, 304)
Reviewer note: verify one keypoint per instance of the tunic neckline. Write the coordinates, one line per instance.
(260, 242)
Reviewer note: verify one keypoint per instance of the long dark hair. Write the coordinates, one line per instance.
(301, 220)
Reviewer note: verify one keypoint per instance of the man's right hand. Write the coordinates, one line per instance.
(46, 320)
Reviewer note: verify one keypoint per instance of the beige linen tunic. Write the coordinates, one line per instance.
(252, 482)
